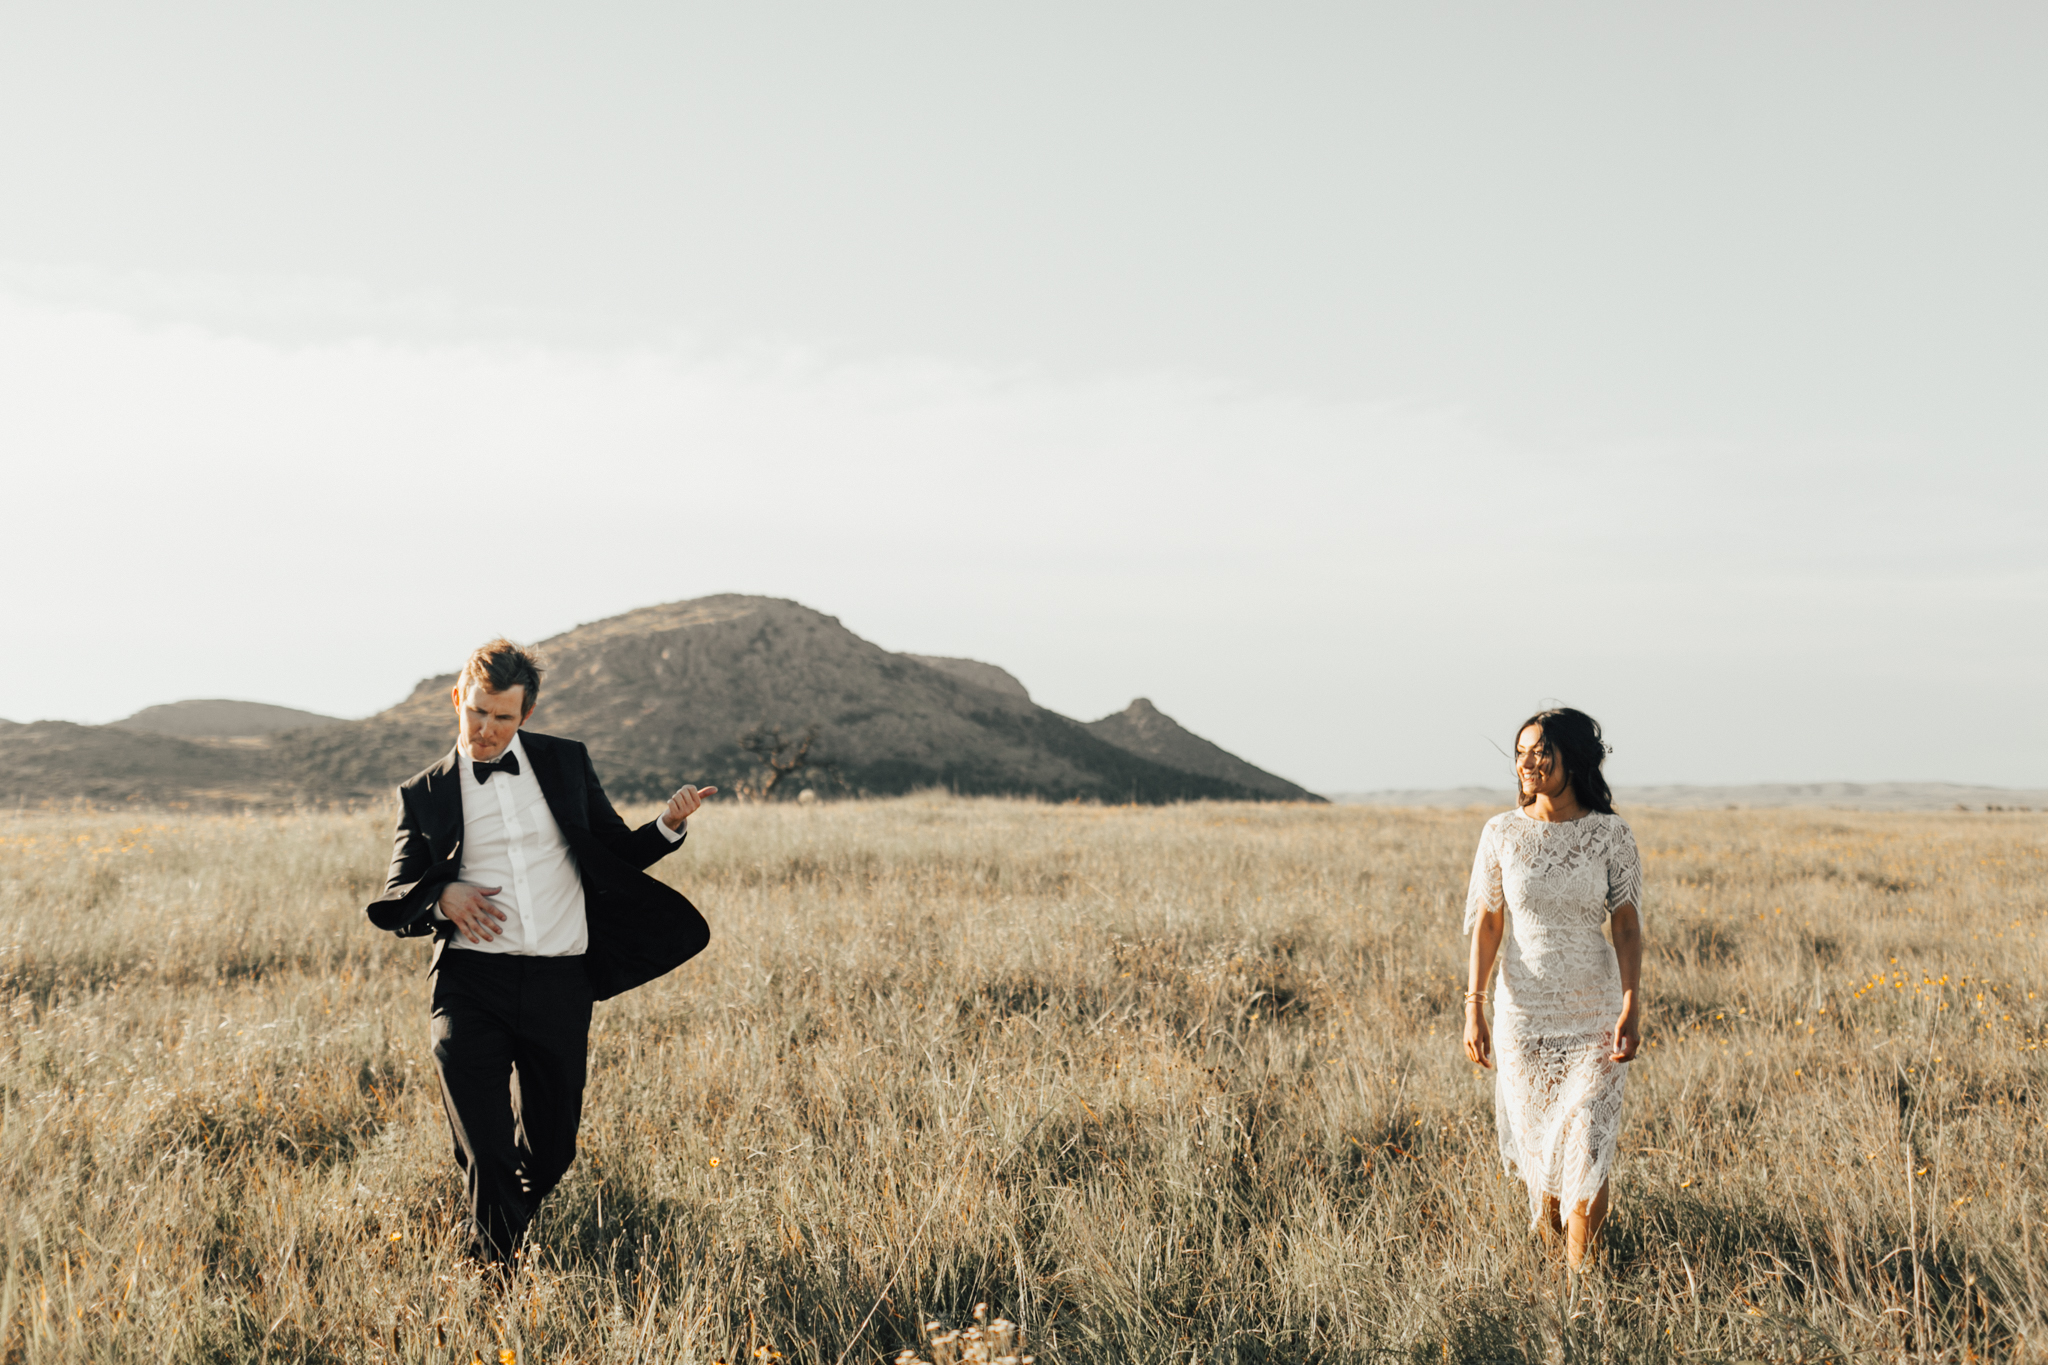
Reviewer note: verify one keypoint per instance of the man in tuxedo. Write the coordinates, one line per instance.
(535, 891)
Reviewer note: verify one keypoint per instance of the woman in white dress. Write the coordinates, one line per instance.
(1569, 1014)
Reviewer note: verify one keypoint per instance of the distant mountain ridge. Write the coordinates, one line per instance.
(55, 760)
(217, 718)
(668, 694)
(1901, 796)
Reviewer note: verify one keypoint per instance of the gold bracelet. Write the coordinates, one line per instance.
(1471, 996)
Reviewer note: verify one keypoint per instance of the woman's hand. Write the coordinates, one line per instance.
(1627, 927)
(1486, 937)
(1628, 1032)
(1478, 1037)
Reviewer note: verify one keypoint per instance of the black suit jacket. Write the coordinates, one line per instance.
(639, 928)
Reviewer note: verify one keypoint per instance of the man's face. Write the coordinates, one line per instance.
(487, 719)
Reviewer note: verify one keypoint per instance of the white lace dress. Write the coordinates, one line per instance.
(1557, 1095)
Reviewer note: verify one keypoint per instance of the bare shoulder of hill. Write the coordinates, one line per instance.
(217, 718)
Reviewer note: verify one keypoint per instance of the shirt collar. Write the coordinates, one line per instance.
(515, 747)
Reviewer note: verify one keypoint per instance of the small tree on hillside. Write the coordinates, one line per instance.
(783, 757)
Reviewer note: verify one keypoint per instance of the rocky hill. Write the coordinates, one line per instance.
(677, 693)
(976, 672)
(1143, 728)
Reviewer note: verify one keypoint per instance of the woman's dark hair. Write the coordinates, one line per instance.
(1573, 737)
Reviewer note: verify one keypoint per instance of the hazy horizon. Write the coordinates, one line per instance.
(1348, 380)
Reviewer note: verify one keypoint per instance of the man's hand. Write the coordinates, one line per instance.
(469, 908)
(684, 804)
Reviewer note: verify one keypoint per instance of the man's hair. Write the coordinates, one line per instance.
(500, 665)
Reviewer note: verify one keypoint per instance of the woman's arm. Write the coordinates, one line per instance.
(1486, 936)
(1628, 952)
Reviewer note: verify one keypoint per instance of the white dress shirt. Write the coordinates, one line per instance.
(510, 840)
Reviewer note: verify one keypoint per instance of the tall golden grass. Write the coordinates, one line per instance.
(1159, 1084)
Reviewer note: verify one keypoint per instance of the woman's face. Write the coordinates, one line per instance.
(1537, 769)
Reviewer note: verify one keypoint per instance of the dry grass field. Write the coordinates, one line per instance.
(1174, 1084)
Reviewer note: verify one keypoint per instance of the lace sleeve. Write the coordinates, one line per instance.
(1483, 896)
(1624, 871)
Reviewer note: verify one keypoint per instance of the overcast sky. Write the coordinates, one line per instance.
(1349, 380)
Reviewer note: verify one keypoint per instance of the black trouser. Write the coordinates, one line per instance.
(510, 1039)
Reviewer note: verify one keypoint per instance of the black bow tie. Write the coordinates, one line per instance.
(509, 765)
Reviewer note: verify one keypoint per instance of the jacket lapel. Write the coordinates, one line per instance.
(442, 817)
(443, 812)
(556, 785)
